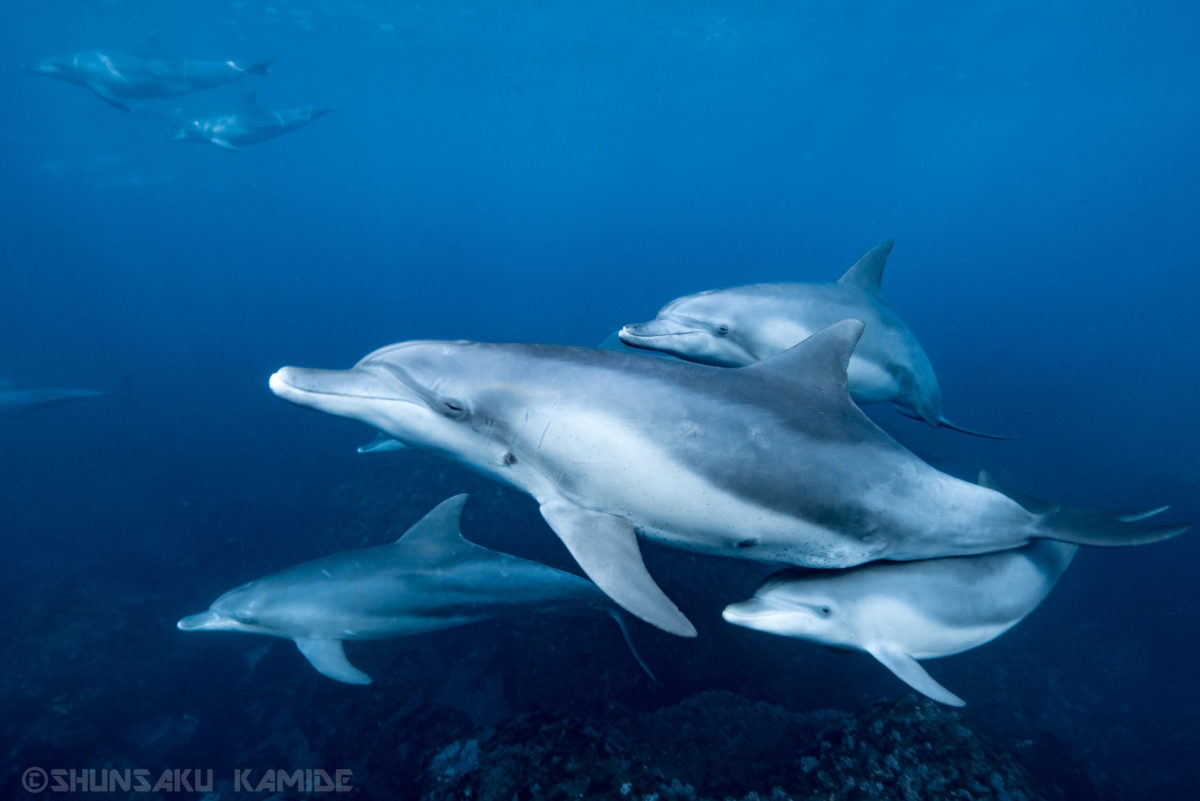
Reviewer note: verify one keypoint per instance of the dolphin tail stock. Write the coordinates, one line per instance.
(261, 68)
(942, 422)
(1081, 526)
(620, 618)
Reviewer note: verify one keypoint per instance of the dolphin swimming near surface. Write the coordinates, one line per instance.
(116, 76)
(900, 612)
(738, 326)
(744, 462)
(15, 398)
(429, 579)
(249, 124)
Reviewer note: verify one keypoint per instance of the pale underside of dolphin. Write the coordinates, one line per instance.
(431, 578)
(901, 612)
(248, 124)
(115, 76)
(742, 462)
(741, 325)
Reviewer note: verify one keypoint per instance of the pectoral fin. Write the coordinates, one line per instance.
(606, 547)
(224, 145)
(330, 660)
(909, 671)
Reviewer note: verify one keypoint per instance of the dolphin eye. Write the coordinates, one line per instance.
(825, 611)
(722, 330)
(453, 409)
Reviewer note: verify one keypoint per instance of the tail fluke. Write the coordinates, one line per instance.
(1088, 526)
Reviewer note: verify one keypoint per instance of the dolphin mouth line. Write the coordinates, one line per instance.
(627, 332)
(277, 382)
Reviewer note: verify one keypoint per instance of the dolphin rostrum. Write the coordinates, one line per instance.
(742, 462)
(429, 579)
(116, 76)
(738, 326)
(900, 612)
(15, 399)
(249, 124)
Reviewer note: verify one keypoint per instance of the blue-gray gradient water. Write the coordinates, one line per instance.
(548, 172)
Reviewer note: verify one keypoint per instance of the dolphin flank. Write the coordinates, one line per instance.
(429, 579)
(742, 462)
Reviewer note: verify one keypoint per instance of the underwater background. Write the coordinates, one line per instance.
(545, 172)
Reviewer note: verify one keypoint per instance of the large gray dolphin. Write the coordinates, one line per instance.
(738, 326)
(248, 124)
(116, 76)
(15, 398)
(900, 612)
(742, 462)
(429, 579)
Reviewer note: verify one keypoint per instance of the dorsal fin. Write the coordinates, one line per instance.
(867, 272)
(438, 529)
(249, 101)
(823, 357)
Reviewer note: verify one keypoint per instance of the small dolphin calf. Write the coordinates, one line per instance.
(249, 124)
(429, 579)
(744, 462)
(741, 325)
(15, 399)
(904, 611)
(116, 76)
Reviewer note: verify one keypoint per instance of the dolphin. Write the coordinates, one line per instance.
(431, 578)
(15, 399)
(114, 76)
(743, 462)
(249, 124)
(738, 326)
(900, 612)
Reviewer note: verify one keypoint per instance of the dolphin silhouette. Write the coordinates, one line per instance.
(116, 76)
(431, 578)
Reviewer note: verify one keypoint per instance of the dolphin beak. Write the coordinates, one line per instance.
(744, 613)
(356, 393)
(639, 334)
(205, 621)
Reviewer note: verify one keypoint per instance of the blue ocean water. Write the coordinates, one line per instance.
(540, 172)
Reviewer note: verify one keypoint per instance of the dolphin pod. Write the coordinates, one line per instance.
(772, 461)
(116, 77)
(739, 326)
(431, 578)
